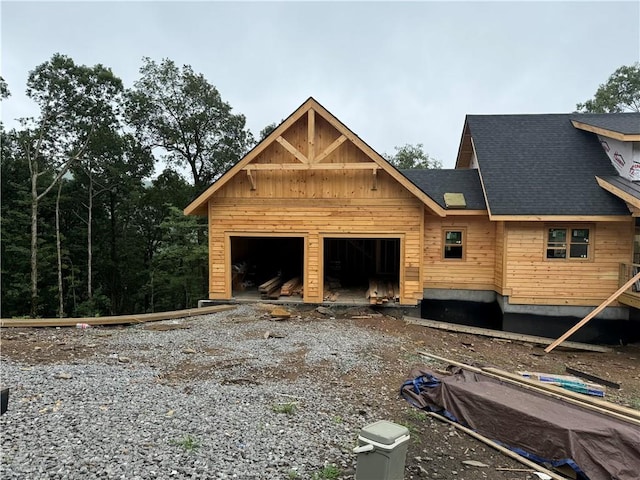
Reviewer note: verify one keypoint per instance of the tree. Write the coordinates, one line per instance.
(4, 89)
(266, 131)
(412, 156)
(73, 100)
(182, 114)
(621, 93)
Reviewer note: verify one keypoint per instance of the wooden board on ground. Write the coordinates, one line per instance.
(452, 327)
(114, 320)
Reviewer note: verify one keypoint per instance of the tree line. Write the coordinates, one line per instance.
(86, 227)
(85, 231)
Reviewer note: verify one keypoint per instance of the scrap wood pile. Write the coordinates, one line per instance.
(275, 287)
(381, 292)
(331, 287)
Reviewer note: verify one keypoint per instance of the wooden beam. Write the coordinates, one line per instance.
(500, 448)
(311, 134)
(624, 137)
(251, 179)
(330, 149)
(313, 166)
(486, 332)
(113, 320)
(375, 179)
(584, 401)
(602, 306)
(292, 150)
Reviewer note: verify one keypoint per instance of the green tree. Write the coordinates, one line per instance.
(412, 156)
(266, 131)
(4, 89)
(621, 93)
(179, 113)
(74, 100)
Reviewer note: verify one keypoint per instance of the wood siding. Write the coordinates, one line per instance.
(477, 270)
(532, 279)
(315, 220)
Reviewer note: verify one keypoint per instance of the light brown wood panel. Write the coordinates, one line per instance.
(476, 271)
(533, 279)
(324, 184)
(316, 220)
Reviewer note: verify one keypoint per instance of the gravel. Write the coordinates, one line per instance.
(210, 398)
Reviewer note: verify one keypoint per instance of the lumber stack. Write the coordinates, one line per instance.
(291, 287)
(381, 292)
(271, 288)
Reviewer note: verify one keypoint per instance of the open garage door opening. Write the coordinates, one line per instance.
(362, 269)
(267, 267)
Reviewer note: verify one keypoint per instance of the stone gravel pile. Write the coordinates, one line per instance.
(228, 395)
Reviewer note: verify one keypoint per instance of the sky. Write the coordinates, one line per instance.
(393, 72)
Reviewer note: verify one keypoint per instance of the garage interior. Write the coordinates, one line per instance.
(362, 269)
(277, 263)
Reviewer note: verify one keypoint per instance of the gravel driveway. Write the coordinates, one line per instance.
(208, 397)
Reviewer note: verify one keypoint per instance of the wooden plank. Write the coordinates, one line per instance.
(251, 179)
(313, 166)
(311, 135)
(331, 148)
(629, 413)
(269, 284)
(291, 149)
(111, 320)
(589, 403)
(500, 448)
(486, 332)
(595, 312)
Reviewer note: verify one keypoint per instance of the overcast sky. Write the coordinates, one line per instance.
(394, 73)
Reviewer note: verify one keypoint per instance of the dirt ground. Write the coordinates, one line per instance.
(436, 449)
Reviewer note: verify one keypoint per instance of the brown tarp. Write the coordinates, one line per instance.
(604, 448)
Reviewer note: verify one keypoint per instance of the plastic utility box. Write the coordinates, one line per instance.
(382, 451)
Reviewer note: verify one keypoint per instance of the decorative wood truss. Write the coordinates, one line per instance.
(311, 161)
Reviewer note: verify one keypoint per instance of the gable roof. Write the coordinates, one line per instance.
(622, 126)
(540, 165)
(198, 206)
(436, 183)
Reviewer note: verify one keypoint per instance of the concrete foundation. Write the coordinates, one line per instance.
(488, 310)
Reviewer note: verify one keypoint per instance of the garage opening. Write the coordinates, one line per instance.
(362, 269)
(267, 267)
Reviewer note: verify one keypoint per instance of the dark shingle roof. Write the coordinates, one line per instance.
(625, 123)
(627, 186)
(541, 165)
(436, 183)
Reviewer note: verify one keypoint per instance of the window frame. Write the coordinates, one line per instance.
(569, 228)
(463, 243)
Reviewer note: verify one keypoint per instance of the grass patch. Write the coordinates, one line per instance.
(328, 472)
(188, 442)
(292, 475)
(418, 415)
(286, 408)
(337, 419)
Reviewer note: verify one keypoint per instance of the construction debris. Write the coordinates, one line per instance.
(568, 382)
(280, 313)
(381, 292)
(291, 287)
(593, 378)
(544, 424)
(271, 288)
